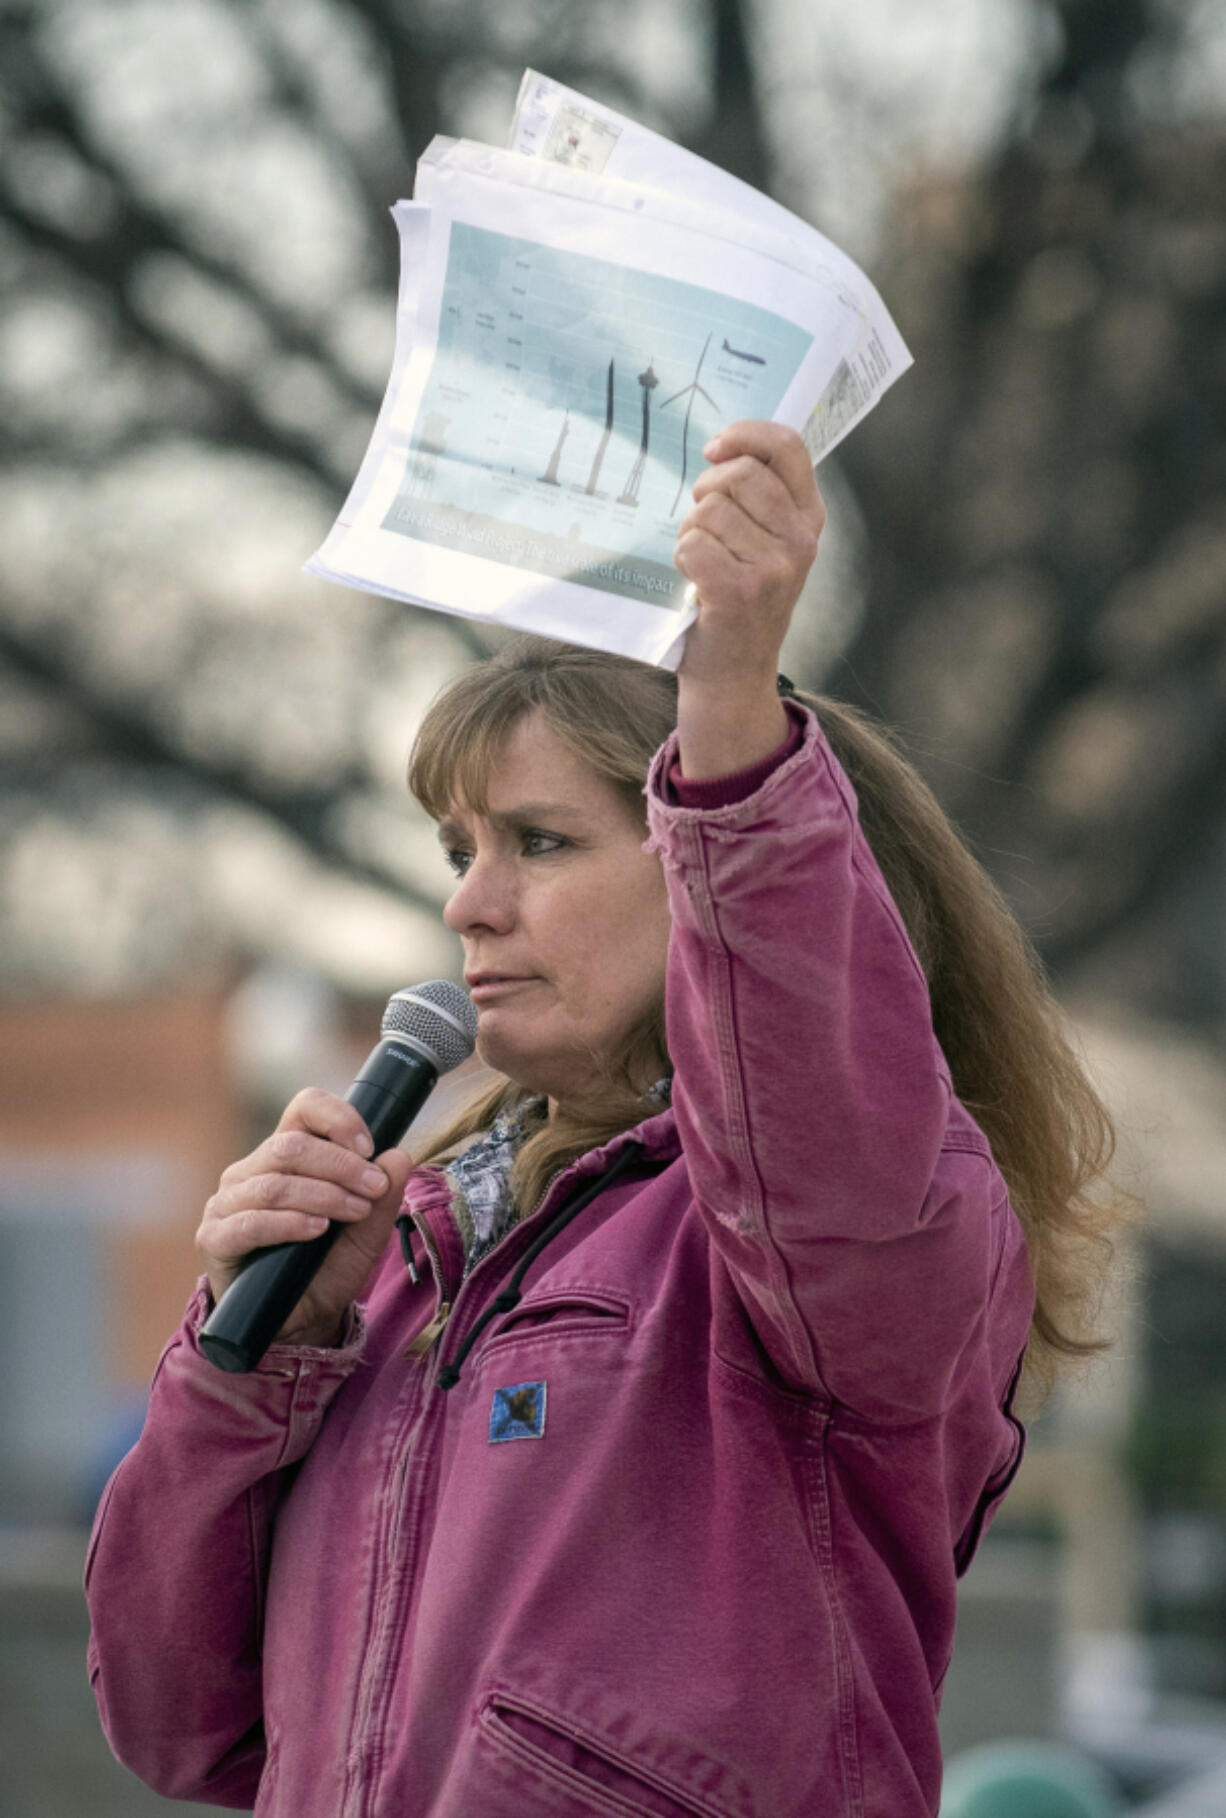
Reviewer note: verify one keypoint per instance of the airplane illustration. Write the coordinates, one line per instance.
(755, 359)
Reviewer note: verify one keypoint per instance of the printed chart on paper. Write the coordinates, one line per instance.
(563, 420)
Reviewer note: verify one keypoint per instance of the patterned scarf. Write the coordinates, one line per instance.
(481, 1200)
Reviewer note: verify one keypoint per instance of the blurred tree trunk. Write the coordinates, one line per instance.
(1044, 496)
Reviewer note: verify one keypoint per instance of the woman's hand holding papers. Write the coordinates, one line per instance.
(747, 546)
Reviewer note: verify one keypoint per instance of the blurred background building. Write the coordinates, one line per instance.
(210, 876)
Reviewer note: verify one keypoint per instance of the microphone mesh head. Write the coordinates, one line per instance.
(438, 1017)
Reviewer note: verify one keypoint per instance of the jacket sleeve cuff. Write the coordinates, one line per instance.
(737, 785)
(670, 789)
(279, 1360)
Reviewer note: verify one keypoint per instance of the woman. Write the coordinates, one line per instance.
(643, 1487)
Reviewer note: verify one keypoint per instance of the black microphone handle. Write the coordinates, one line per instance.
(391, 1089)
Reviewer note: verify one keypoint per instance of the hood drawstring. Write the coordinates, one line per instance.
(510, 1296)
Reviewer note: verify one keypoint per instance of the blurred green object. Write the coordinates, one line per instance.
(1026, 1780)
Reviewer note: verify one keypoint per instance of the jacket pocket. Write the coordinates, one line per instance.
(574, 1773)
(551, 1316)
(565, 1309)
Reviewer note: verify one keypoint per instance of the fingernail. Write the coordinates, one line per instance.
(376, 1180)
(363, 1144)
(713, 447)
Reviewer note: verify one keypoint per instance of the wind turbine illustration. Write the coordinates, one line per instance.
(689, 391)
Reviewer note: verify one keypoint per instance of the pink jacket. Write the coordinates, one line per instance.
(683, 1538)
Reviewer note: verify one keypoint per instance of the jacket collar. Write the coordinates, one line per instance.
(427, 1196)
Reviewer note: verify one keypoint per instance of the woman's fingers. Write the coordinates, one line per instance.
(758, 489)
(746, 545)
(766, 491)
(293, 1152)
(726, 519)
(319, 1135)
(233, 1226)
(315, 1169)
(347, 1266)
(228, 1238)
(324, 1114)
(275, 1208)
(777, 447)
(296, 1181)
(760, 500)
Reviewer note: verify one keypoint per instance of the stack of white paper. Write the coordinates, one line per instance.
(577, 316)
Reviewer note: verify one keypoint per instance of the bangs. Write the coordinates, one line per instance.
(611, 712)
(457, 746)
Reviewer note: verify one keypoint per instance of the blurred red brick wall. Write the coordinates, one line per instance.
(84, 1081)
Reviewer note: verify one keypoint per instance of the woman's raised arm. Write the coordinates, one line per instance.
(854, 1199)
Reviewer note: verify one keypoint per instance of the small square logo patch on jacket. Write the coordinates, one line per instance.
(518, 1412)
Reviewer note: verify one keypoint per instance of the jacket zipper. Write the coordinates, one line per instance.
(426, 1337)
(364, 1763)
(364, 1760)
(419, 1346)
(448, 1374)
(429, 1334)
(370, 1726)
(389, 1597)
(392, 1599)
(403, 1522)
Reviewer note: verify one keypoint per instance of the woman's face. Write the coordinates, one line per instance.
(563, 916)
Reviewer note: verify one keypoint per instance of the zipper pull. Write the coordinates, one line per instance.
(426, 1337)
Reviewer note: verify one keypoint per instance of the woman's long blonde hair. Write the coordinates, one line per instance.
(998, 1024)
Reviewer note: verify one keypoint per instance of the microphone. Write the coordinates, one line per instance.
(427, 1030)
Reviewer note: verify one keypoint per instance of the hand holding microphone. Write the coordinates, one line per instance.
(295, 1228)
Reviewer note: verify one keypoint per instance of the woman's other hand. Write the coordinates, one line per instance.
(315, 1168)
(747, 546)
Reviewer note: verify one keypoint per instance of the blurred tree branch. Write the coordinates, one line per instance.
(1061, 436)
(1042, 495)
(309, 815)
